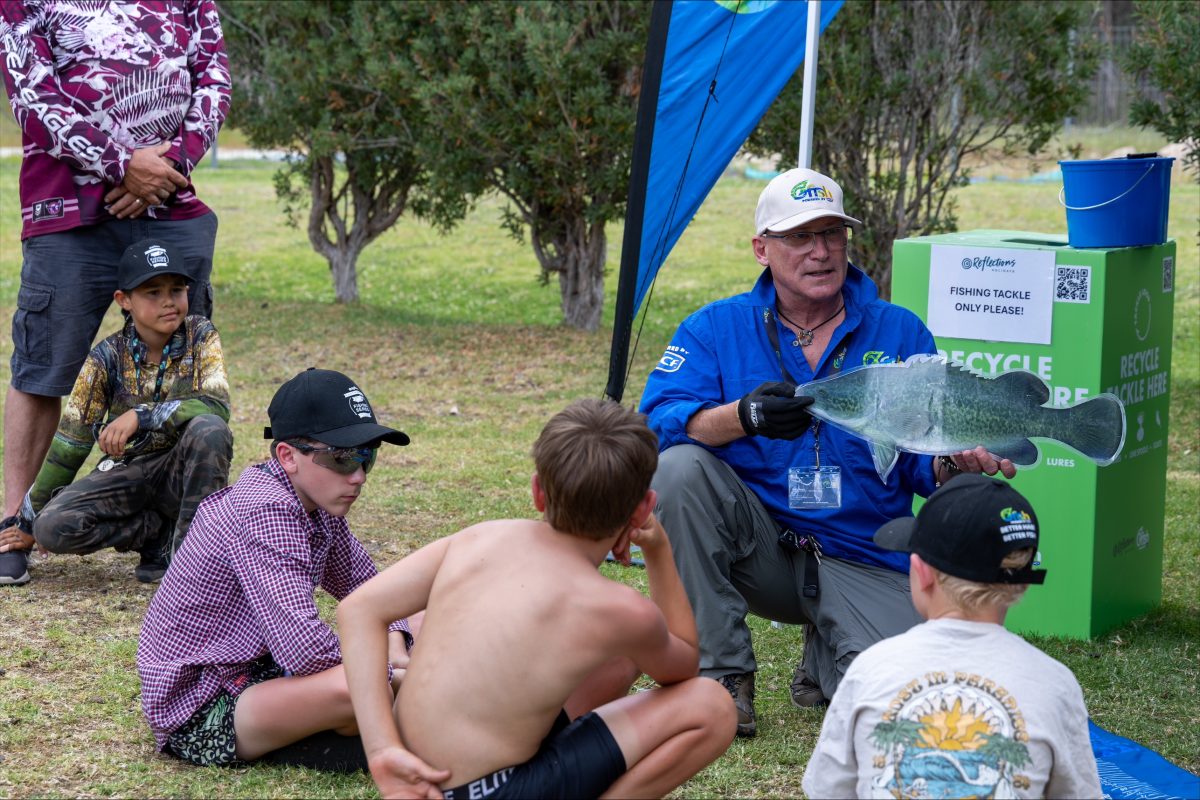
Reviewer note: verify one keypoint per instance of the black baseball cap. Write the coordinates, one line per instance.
(327, 406)
(966, 528)
(148, 259)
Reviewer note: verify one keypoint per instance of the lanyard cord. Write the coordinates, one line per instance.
(137, 366)
(768, 318)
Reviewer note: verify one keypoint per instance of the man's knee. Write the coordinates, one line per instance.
(680, 468)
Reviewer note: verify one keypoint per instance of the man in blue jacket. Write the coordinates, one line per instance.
(742, 459)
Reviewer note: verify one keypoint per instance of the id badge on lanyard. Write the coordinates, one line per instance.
(816, 486)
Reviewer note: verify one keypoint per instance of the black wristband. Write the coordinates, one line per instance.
(949, 468)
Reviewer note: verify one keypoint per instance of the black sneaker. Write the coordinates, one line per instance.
(805, 692)
(14, 568)
(741, 686)
(152, 566)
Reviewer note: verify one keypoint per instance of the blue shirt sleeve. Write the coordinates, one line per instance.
(685, 381)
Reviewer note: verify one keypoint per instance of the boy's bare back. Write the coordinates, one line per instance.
(524, 605)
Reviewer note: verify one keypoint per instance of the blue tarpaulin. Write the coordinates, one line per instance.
(1128, 770)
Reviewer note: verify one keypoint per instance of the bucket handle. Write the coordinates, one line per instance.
(1063, 202)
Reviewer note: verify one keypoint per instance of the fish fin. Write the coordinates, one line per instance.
(885, 456)
(1020, 383)
(1023, 453)
(1096, 428)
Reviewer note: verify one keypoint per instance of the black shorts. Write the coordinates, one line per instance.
(576, 760)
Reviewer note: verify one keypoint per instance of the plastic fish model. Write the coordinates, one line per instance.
(926, 405)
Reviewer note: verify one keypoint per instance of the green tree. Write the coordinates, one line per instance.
(536, 101)
(908, 93)
(310, 78)
(1166, 54)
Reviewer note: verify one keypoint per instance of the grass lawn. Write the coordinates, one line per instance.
(458, 345)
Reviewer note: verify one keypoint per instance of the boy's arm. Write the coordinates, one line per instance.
(1074, 772)
(209, 379)
(349, 566)
(832, 770)
(399, 591)
(676, 658)
(87, 405)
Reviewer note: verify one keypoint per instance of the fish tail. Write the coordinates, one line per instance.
(1095, 428)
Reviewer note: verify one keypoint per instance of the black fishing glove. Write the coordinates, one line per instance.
(773, 411)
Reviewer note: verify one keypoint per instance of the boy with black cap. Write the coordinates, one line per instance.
(155, 398)
(235, 662)
(958, 706)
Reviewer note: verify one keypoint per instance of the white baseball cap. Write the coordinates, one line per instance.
(798, 196)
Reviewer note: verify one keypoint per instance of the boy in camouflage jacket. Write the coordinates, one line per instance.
(155, 397)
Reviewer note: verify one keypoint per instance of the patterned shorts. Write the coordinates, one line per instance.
(207, 739)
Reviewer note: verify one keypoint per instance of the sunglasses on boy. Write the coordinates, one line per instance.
(342, 460)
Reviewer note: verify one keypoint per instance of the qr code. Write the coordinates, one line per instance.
(1073, 284)
(1169, 274)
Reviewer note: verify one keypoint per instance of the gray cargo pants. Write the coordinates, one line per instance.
(730, 561)
(129, 506)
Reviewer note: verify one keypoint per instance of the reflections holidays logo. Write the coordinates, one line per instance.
(987, 262)
(805, 193)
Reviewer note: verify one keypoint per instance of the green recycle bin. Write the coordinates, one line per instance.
(1086, 321)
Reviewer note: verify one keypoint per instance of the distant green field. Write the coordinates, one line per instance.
(458, 344)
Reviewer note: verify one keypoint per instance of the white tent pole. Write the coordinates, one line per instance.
(808, 100)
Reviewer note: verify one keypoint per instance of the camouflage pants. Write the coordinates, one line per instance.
(131, 505)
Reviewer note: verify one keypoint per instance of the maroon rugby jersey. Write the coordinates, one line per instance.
(89, 81)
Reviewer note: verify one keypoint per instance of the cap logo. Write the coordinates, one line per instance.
(1020, 525)
(157, 257)
(358, 402)
(805, 193)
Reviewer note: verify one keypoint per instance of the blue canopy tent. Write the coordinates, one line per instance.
(712, 68)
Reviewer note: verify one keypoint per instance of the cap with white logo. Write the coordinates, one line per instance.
(148, 259)
(327, 406)
(798, 196)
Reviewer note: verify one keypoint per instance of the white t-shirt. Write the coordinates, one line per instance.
(954, 709)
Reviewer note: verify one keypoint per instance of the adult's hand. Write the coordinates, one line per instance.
(399, 773)
(15, 539)
(772, 410)
(124, 204)
(980, 460)
(150, 177)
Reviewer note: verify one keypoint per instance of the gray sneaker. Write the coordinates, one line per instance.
(14, 568)
(805, 692)
(741, 686)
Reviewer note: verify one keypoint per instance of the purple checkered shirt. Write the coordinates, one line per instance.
(240, 588)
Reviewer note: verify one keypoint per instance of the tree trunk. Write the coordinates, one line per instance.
(344, 266)
(581, 276)
(576, 252)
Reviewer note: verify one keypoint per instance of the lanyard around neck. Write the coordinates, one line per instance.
(137, 366)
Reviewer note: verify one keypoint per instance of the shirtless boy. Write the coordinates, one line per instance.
(519, 685)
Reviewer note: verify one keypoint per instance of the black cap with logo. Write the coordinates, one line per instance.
(148, 259)
(966, 528)
(327, 406)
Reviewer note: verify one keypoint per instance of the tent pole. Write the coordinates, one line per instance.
(808, 101)
(635, 206)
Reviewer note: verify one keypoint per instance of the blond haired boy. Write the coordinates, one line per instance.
(958, 706)
(519, 686)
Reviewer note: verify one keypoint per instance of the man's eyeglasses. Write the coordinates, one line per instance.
(803, 241)
(342, 460)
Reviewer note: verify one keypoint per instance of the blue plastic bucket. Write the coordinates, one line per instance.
(1116, 202)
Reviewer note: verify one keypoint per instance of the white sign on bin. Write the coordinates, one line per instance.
(991, 293)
